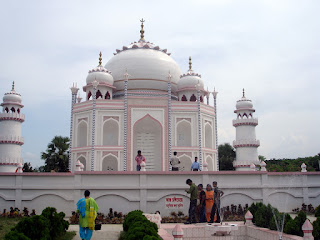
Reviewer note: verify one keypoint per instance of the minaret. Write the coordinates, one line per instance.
(246, 143)
(10, 131)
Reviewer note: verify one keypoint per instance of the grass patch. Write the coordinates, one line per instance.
(67, 236)
(6, 224)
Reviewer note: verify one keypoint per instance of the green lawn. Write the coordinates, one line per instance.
(7, 223)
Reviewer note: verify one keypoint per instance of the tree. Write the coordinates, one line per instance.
(226, 155)
(27, 167)
(56, 155)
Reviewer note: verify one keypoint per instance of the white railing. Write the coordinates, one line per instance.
(245, 121)
(8, 160)
(13, 116)
(12, 139)
(246, 143)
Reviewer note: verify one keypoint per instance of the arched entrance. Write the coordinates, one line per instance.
(148, 138)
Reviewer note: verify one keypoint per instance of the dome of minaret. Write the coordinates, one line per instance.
(147, 65)
(190, 79)
(100, 74)
(12, 97)
(244, 103)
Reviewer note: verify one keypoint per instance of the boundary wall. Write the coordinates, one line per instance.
(151, 191)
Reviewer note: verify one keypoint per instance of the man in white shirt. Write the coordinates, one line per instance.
(174, 161)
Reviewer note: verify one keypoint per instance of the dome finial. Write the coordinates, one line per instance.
(100, 60)
(142, 31)
(243, 93)
(12, 86)
(190, 64)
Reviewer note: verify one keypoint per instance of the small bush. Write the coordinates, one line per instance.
(317, 212)
(316, 229)
(294, 226)
(57, 224)
(137, 227)
(15, 235)
(35, 227)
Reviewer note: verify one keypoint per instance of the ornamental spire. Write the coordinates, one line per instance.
(243, 93)
(100, 60)
(190, 64)
(142, 31)
(12, 86)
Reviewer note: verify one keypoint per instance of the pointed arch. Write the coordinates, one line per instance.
(193, 98)
(245, 115)
(209, 160)
(110, 132)
(83, 160)
(183, 136)
(82, 134)
(185, 163)
(18, 110)
(208, 136)
(201, 98)
(148, 137)
(6, 109)
(184, 98)
(98, 94)
(110, 163)
(239, 116)
(89, 95)
(13, 109)
(107, 96)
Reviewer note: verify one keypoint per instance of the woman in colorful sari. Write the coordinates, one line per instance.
(87, 208)
(209, 201)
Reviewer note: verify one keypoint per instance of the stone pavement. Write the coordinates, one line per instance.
(107, 232)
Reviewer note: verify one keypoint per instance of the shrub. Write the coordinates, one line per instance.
(131, 217)
(316, 229)
(291, 227)
(263, 216)
(279, 217)
(57, 224)
(137, 227)
(35, 227)
(295, 226)
(317, 211)
(15, 235)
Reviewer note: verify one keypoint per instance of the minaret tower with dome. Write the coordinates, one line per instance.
(246, 143)
(10, 131)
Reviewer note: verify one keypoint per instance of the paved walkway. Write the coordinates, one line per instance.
(107, 232)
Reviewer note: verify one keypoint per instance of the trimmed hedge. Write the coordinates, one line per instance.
(137, 227)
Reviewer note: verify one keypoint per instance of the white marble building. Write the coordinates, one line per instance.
(140, 100)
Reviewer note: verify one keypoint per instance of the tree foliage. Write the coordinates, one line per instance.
(293, 165)
(56, 155)
(226, 155)
(27, 167)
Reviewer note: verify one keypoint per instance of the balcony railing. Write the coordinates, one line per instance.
(245, 121)
(12, 140)
(12, 116)
(246, 143)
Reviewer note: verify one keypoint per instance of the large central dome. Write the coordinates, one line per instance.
(148, 67)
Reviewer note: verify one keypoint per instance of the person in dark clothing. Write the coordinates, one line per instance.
(215, 212)
(202, 204)
(193, 191)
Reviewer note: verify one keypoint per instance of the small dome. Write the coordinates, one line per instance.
(12, 96)
(101, 75)
(244, 103)
(190, 79)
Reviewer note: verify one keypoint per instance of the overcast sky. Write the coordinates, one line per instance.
(270, 48)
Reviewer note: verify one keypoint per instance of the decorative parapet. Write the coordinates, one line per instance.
(245, 121)
(246, 143)
(12, 140)
(10, 161)
(12, 116)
